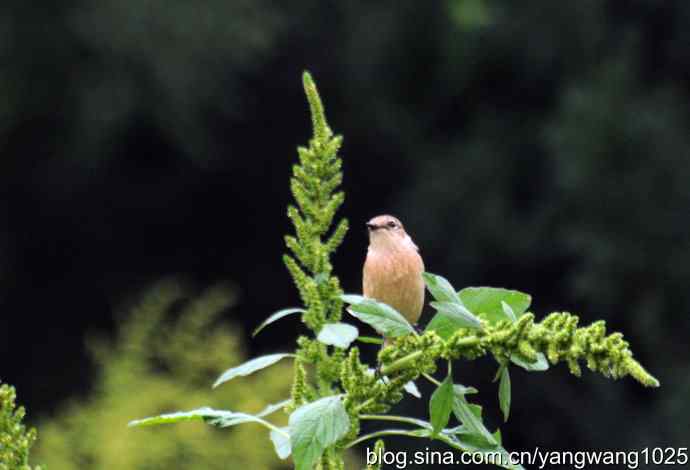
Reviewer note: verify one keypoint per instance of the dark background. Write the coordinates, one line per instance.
(538, 145)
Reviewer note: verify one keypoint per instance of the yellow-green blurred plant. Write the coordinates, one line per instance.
(15, 439)
(170, 345)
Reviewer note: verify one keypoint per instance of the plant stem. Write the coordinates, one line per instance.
(442, 437)
(387, 432)
(401, 363)
(366, 403)
(468, 341)
(270, 426)
(399, 419)
(402, 432)
(369, 340)
(431, 379)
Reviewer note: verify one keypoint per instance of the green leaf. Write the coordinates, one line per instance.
(270, 409)
(486, 302)
(540, 365)
(441, 405)
(504, 392)
(383, 318)
(456, 430)
(497, 377)
(411, 388)
(443, 325)
(470, 416)
(220, 418)
(199, 414)
(449, 319)
(352, 298)
(508, 310)
(314, 427)
(340, 335)
(233, 419)
(440, 289)
(275, 317)
(461, 389)
(475, 409)
(458, 313)
(281, 442)
(474, 443)
(472, 436)
(250, 367)
(239, 418)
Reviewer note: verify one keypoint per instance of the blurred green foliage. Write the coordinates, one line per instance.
(167, 353)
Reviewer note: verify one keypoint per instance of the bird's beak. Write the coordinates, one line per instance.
(371, 226)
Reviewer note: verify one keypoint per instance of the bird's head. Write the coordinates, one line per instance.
(386, 231)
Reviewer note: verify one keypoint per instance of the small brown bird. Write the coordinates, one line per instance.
(393, 269)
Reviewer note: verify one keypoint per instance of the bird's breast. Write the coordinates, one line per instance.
(395, 278)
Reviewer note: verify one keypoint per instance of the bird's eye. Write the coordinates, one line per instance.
(391, 224)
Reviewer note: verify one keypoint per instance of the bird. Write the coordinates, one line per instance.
(393, 268)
